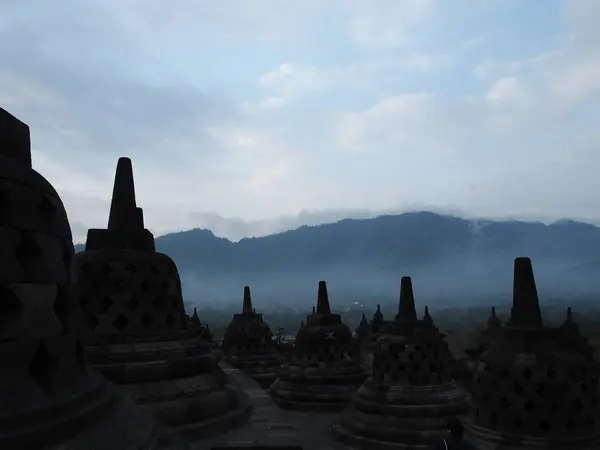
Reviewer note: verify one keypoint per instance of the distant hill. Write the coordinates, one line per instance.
(385, 242)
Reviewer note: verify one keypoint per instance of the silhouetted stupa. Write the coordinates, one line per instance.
(322, 374)
(138, 335)
(532, 391)
(409, 394)
(248, 345)
(49, 397)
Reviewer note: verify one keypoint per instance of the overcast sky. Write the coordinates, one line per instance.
(248, 117)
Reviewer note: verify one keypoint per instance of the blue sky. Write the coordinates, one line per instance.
(249, 117)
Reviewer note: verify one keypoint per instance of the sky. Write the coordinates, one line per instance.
(251, 117)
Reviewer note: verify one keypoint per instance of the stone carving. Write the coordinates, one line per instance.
(409, 394)
(248, 345)
(49, 396)
(137, 330)
(533, 390)
(321, 375)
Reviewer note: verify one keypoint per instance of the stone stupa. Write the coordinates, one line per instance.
(322, 375)
(532, 391)
(248, 345)
(137, 331)
(49, 397)
(409, 395)
(203, 331)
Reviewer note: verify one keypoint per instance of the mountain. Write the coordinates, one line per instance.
(448, 255)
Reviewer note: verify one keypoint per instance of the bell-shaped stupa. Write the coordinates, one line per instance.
(248, 345)
(49, 396)
(203, 331)
(409, 395)
(532, 391)
(322, 375)
(137, 331)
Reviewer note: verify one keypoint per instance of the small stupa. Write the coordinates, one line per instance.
(409, 395)
(322, 375)
(377, 320)
(49, 396)
(203, 331)
(532, 391)
(248, 345)
(137, 329)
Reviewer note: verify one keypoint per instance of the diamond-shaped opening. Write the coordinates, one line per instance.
(61, 305)
(147, 320)
(529, 406)
(145, 286)
(527, 373)
(158, 303)
(28, 249)
(132, 303)
(47, 208)
(517, 387)
(170, 320)
(504, 403)
(120, 322)
(106, 303)
(41, 368)
(10, 305)
(132, 269)
(544, 425)
(106, 269)
(92, 322)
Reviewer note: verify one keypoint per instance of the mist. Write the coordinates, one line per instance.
(444, 283)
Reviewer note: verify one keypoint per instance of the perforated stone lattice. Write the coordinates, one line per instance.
(250, 338)
(538, 401)
(420, 361)
(321, 345)
(130, 296)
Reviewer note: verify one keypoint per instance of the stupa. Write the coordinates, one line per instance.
(377, 320)
(248, 345)
(409, 394)
(137, 331)
(49, 396)
(203, 331)
(531, 391)
(322, 375)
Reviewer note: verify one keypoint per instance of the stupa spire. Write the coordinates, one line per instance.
(323, 299)
(247, 308)
(406, 305)
(525, 312)
(124, 213)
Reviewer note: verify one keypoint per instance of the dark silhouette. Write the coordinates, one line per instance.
(50, 397)
(534, 387)
(133, 309)
(454, 439)
(248, 345)
(410, 393)
(321, 376)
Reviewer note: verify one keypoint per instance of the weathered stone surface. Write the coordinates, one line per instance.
(49, 397)
(531, 390)
(409, 394)
(137, 333)
(248, 345)
(321, 375)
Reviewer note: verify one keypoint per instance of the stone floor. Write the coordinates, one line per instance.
(272, 426)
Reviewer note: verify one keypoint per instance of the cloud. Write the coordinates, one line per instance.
(239, 116)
